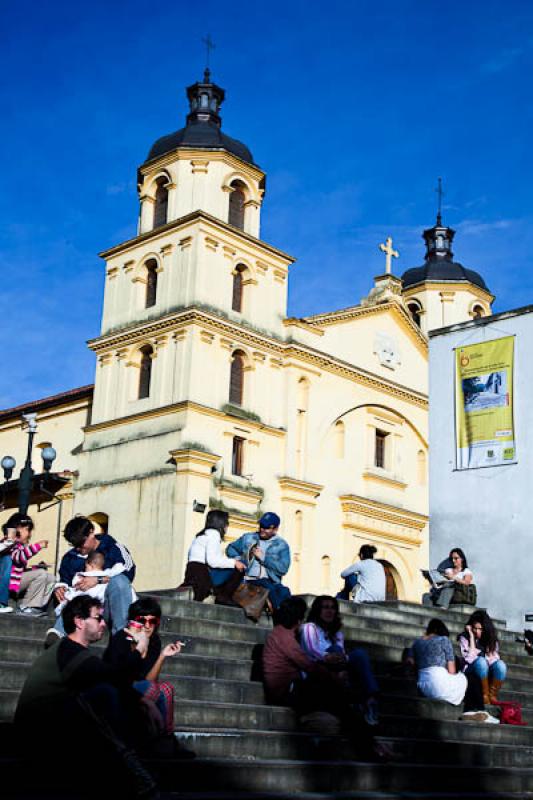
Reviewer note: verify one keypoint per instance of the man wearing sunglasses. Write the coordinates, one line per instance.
(72, 691)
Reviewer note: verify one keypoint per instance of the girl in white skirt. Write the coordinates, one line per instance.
(434, 659)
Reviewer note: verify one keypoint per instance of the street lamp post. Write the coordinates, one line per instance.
(26, 474)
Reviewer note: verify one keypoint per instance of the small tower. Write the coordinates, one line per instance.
(200, 168)
(442, 292)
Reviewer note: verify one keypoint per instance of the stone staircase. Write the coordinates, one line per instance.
(247, 749)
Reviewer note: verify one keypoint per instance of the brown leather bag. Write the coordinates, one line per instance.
(251, 598)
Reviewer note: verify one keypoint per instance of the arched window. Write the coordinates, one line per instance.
(161, 203)
(236, 299)
(339, 439)
(236, 382)
(415, 310)
(421, 468)
(145, 373)
(237, 199)
(151, 284)
(237, 455)
(478, 312)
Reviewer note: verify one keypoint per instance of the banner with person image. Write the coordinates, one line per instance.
(484, 425)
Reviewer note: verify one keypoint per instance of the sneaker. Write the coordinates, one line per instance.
(479, 716)
(5, 609)
(370, 712)
(52, 636)
(30, 612)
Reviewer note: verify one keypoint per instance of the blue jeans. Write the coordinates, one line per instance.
(5, 574)
(116, 605)
(220, 576)
(362, 679)
(349, 585)
(497, 671)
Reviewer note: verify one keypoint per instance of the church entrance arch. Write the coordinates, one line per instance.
(391, 586)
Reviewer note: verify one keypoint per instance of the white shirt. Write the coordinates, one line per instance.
(371, 581)
(205, 549)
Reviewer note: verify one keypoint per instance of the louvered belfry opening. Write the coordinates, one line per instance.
(145, 372)
(237, 199)
(236, 383)
(151, 284)
(161, 203)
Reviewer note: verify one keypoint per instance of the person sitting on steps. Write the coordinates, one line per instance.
(365, 580)
(34, 586)
(80, 533)
(267, 557)
(207, 567)
(322, 639)
(481, 654)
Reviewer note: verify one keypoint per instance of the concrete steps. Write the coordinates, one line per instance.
(248, 750)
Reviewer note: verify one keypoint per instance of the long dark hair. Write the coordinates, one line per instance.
(489, 638)
(461, 555)
(219, 520)
(314, 615)
(437, 627)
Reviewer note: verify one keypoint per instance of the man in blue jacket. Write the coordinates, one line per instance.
(266, 555)
(118, 597)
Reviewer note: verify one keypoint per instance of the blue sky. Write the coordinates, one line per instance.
(353, 109)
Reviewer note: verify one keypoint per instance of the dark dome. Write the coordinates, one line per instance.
(440, 270)
(439, 264)
(203, 135)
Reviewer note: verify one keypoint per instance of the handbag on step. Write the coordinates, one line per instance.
(511, 712)
(251, 598)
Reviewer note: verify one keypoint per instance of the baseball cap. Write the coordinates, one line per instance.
(269, 520)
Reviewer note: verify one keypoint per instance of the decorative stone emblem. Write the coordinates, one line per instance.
(387, 351)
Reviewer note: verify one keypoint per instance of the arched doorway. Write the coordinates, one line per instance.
(391, 588)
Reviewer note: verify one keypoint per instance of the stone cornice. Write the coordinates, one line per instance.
(354, 312)
(242, 335)
(183, 222)
(184, 405)
(352, 503)
(456, 286)
(188, 153)
(303, 487)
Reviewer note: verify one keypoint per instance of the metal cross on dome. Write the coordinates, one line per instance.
(389, 254)
(209, 45)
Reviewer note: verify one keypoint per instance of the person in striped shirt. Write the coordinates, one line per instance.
(33, 586)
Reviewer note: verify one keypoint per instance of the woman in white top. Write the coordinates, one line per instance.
(208, 567)
(365, 579)
(458, 573)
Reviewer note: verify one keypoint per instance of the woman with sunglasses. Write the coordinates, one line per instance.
(322, 639)
(138, 649)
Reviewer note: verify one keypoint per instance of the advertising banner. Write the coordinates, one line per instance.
(484, 425)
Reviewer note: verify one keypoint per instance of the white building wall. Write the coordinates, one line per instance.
(487, 512)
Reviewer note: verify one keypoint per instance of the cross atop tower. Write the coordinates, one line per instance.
(440, 195)
(389, 254)
(209, 45)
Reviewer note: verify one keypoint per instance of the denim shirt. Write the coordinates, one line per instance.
(277, 557)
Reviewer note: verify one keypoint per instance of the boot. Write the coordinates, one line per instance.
(486, 690)
(494, 688)
(224, 593)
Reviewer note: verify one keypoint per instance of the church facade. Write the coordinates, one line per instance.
(207, 395)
